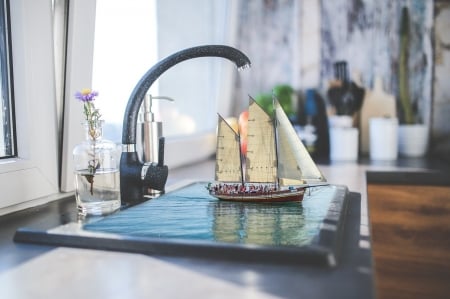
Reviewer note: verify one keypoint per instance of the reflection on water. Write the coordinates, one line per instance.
(191, 213)
(265, 224)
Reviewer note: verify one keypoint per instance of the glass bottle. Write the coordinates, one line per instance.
(97, 185)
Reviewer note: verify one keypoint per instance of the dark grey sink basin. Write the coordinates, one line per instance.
(189, 222)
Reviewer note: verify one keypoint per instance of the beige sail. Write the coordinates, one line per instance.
(228, 160)
(261, 155)
(294, 162)
(289, 173)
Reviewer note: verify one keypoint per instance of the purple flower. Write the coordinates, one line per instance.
(86, 95)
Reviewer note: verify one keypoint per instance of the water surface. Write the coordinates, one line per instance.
(190, 213)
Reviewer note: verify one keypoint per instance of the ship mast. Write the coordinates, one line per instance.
(275, 139)
(241, 158)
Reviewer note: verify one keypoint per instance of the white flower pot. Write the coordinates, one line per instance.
(340, 121)
(343, 144)
(383, 133)
(413, 140)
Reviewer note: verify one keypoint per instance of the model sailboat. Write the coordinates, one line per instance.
(277, 166)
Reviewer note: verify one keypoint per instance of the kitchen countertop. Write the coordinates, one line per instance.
(35, 271)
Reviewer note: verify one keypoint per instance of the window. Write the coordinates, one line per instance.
(201, 87)
(36, 170)
(130, 36)
(123, 51)
(32, 172)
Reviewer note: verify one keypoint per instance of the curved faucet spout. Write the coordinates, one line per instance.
(135, 176)
(137, 96)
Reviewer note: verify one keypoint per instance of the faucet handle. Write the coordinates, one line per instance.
(161, 151)
(154, 176)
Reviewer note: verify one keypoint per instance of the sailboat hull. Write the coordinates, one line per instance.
(266, 197)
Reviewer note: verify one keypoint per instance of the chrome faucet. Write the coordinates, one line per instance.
(136, 176)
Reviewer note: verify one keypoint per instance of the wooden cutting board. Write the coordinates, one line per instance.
(377, 103)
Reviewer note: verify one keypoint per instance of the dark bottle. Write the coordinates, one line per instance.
(317, 122)
(345, 95)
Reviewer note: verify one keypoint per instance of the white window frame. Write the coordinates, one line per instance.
(33, 174)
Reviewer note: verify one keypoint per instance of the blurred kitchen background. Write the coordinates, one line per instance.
(297, 43)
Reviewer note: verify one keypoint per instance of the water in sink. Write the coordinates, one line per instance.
(190, 213)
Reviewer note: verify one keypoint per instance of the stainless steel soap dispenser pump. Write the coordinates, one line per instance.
(151, 130)
(152, 138)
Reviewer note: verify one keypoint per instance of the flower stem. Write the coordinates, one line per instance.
(90, 179)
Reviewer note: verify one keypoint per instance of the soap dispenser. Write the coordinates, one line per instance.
(151, 147)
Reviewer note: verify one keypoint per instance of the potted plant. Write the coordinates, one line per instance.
(412, 136)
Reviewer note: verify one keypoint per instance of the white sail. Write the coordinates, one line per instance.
(261, 153)
(289, 173)
(294, 162)
(228, 160)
